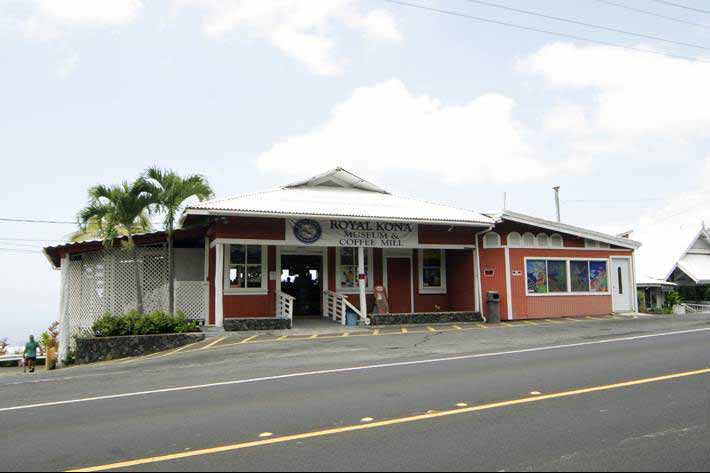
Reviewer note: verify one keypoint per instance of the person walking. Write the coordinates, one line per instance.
(30, 354)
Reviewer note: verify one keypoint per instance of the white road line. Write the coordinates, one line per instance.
(350, 370)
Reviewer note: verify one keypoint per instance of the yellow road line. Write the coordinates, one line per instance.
(314, 336)
(552, 321)
(345, 335)
(284, 337)
(456, 327)
(387, 423)
(213, 343)
(431, 329)
(247, 340)
(527, 322)
(405, 330)
(376, 333)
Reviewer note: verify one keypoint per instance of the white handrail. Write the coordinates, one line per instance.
(697, 308)
(284, 305)
(337, 306)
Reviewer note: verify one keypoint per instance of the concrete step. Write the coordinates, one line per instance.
(212, 331)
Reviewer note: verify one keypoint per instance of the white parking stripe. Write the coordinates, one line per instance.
(349, 370)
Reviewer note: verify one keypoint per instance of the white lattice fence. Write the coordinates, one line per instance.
(191, 298)
(105, 281)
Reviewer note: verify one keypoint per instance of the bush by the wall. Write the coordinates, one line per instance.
(135, 323)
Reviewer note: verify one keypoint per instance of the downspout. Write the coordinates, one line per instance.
(477, 275)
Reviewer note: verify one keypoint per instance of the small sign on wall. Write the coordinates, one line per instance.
(489, 273)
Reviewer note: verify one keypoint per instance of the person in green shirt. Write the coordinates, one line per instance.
(30, 354)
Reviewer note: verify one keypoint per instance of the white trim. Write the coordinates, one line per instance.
(246, 213)
(363, 283)
(492, 234)
(420, 270)
(234, 291)
(207, 259)
(569, 276)
(369, 287)
(385, 280)
(246, 241)
(631, 283)
(293, 250)
(219, 288)
(569, 229)
(508, 284)
(520, 239)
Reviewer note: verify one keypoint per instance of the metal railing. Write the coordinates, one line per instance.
(696, 308)
(284, 305)
(337, 306)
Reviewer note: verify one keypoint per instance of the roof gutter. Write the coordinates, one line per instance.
(229, 213)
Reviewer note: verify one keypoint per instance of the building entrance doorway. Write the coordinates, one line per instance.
(302, 278)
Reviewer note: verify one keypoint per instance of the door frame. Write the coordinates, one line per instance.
(305, 251)
(631, 283)
(399, 254)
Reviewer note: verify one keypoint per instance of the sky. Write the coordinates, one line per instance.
(255, 94)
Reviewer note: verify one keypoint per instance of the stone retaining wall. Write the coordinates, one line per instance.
(426, 318)
(249, 324)
(92, 350)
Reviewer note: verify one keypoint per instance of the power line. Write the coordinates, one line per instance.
(613, 201)
(548, 32)
(587, 25)
(27, 220)
(41, 240)
(685, 7)
(657, 15)
(17, 250)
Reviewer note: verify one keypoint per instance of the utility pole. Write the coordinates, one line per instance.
(505, 201)
(557, 203)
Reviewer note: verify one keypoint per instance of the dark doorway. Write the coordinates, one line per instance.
(302, 278)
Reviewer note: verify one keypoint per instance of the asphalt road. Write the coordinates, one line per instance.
(627, 394)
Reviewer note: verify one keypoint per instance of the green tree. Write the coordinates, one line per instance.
(170, 192)
(116, 211)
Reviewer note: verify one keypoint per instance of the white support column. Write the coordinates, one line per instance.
(219, 286)
(64, 325)
(508, 284)
(362, 281)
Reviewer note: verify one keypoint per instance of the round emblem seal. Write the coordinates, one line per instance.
(307, 231)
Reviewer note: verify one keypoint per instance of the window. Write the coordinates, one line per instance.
(556, 241)
(543, 241)
(547, 276)
(347, 273)
(598, 276)
(595, 244)
(558, 276)
(247, 268)
(515, 240)
(432, 271)
(529, 240)
(491, 240)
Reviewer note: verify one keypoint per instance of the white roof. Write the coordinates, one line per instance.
(695, 261)
(569, 229)
(653, 282)
(339, 193)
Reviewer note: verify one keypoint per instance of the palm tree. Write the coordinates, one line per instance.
(171, 191)
(116, 211)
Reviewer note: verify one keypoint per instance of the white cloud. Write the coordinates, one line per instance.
(67, 66)
(388, 128)
(667, 230)
(635, 94)
(46, 20)
(301, 29)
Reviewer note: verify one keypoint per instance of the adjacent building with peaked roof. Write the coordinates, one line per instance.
(341, 248)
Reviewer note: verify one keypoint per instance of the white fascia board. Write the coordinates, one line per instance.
(685, 271)
(237, 213)
(570, 230)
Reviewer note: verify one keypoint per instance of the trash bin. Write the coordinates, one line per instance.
(351, 318)
(493, 304)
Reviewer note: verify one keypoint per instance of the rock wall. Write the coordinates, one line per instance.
(426, 318)
(92, 350)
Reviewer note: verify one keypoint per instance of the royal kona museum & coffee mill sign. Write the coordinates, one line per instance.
(352, 233)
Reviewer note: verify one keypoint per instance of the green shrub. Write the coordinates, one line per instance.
(134, 323)
(673, 298)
